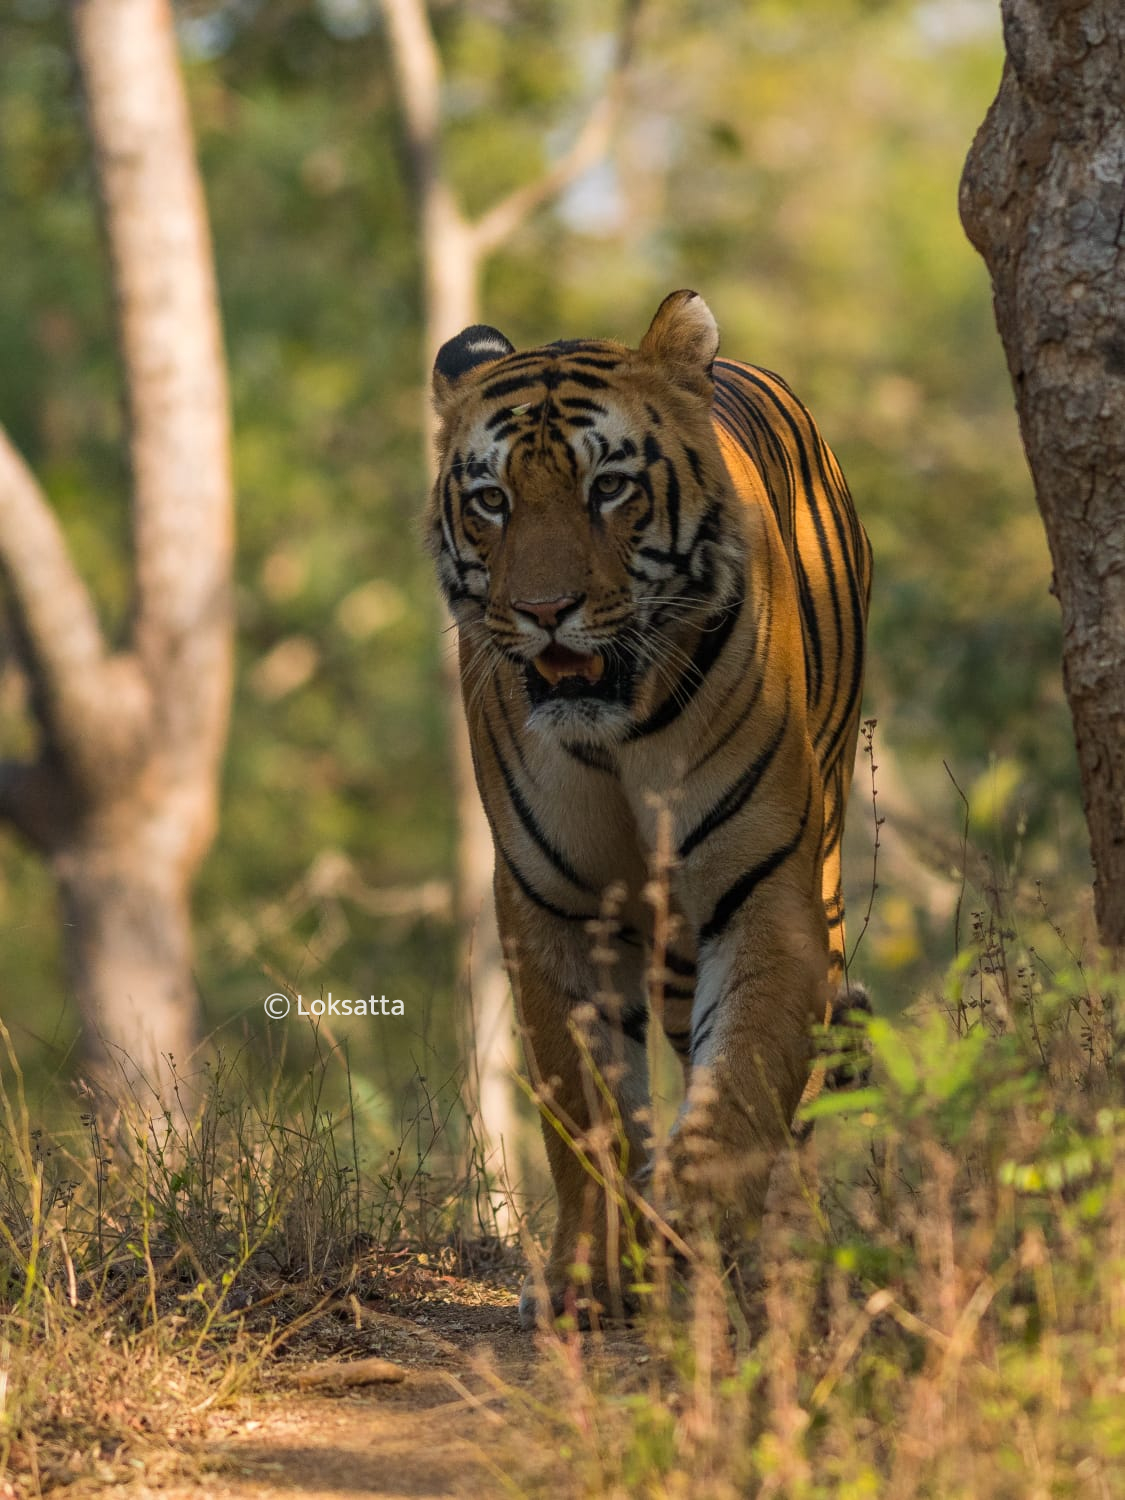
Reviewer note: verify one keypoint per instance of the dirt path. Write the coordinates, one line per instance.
(427, 1436)
(453, 1426)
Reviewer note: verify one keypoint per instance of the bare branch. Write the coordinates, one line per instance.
(589, 146)
(452, 246)
(450, 261)
(168, 327)
(417, 70)
(91, 706)
(54, 614)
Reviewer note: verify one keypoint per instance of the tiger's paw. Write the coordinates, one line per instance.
(542, 1301)
(849, 1041)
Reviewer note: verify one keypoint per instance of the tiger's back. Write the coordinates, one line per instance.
(757, 417)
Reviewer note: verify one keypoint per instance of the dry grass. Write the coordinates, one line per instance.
(939, 1305)
(151, 1270)
(938, 1309)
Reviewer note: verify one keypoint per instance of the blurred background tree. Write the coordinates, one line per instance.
(454, 250)
(118, 790)
(795, 162)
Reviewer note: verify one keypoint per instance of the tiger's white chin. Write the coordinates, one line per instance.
(588, 720)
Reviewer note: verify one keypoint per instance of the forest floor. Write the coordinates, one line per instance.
(422, 1394)
(438, 1431)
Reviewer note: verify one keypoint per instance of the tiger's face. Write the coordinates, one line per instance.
(582, 519)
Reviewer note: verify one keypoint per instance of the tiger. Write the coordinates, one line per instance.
(660, 587)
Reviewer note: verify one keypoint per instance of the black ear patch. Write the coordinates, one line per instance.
(478, 345)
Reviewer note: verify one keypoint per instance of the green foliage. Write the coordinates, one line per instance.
(797, 164)
(942, 1319)
(952, 1324)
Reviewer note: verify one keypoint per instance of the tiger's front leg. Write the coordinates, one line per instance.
(563, 1015)
(755, 899)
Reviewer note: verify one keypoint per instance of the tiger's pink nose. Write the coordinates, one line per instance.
(546, 612)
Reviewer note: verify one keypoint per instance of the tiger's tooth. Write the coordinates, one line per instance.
(573, 664)
(552, 674)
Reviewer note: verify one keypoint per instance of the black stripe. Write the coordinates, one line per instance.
(509, 386)
(553, 855)
(751, 704)
(582, 403)
(654, 455)
(659, 555)
(677, 965)
(510, 727)
(588, 755)
(634, 1024)
(811, 632)
(735, 798)
(450, 535)
(707, 652)
(533, 895)
(578, 377)
(737, 893)
(762, 644)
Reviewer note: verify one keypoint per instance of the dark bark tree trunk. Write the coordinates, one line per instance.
(121, 800)
(1043, 200)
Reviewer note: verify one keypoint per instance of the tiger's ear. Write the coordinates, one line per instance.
(478, 345)
(684, 339)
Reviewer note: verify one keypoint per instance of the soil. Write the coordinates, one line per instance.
(450, 1420)
(431, 1434)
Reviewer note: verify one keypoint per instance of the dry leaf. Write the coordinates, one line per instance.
(350, 1372)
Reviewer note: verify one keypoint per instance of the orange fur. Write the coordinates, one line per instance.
(673, 543)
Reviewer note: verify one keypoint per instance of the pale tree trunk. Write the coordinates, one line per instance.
(454, 251)
(452, 279)
(121, 799)
(1043, 200)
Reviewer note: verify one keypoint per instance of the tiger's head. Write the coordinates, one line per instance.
(582, 520)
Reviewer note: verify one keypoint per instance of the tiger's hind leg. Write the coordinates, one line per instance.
(845, 995)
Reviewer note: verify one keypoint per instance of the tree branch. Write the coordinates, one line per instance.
(90, 705)
(170, 341)
(417, 69)
(416, 65)
(500, 221)
(449, 257)
(54, 614)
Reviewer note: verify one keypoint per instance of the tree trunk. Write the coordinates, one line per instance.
(451, 265)
(1043, 200)
(452, 279)
(454, 250)
(129, 957)
(122, 798)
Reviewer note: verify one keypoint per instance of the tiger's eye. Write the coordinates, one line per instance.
(610, 486)
(492, 500)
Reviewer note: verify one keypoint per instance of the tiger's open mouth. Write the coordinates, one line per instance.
(559, 662)
(559, 673)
